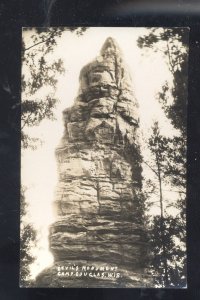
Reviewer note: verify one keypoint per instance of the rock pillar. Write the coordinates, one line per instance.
(98, 238)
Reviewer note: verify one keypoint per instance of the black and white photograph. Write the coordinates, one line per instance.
(103, 157)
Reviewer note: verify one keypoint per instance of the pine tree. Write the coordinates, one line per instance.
(167, 232)
(171, 158)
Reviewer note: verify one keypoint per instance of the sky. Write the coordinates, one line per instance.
(149, 71)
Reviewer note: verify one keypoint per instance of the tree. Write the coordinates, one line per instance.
(173, 44)
(27, 241)
(156, 147)
(40, 71)
(167, 231)
(173, 264)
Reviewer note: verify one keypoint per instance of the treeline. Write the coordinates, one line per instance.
(166, 187)
(40, 70)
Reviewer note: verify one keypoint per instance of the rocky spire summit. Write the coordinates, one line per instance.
(110, 46)
(99, 216)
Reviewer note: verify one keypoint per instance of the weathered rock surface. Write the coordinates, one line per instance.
(97, 203)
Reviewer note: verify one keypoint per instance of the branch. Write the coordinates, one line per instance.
(43, 41)
(26, 120)
(170, 59)
(34, 45)
(150, 167)
(173, 191)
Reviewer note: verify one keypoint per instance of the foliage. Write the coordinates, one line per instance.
(173, 44)
(170, 153)
(40, 72)
(35, 111)
(175, 162)
(27, 241)
(167, 231)
(174, 252)
(168, 160)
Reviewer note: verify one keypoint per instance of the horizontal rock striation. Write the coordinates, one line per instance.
(97, 203)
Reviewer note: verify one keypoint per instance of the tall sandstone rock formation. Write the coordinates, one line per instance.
(99, 234)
